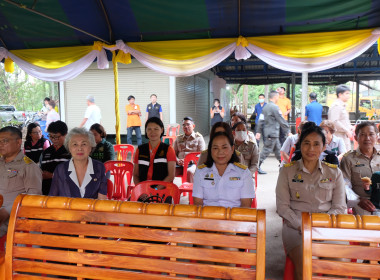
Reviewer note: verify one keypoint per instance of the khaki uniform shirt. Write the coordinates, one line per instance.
(21, 175)
(250, 154)
(339, 115)
(299, 191)
(187, 144)
(355, 165)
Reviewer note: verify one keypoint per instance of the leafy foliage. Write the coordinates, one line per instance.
(23, 91)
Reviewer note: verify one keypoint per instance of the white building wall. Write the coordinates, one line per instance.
(134, 79)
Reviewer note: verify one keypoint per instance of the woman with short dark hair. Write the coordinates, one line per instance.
(154, 160)
(222, 180)
(307, 185)
(104, 150)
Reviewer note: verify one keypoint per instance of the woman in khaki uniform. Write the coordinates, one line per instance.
(307, 185)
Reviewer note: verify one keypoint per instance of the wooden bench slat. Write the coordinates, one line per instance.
(84, 272)
(132, 263)
(136, 219)
(136, 233)
(328, 278)
(346, 268)
(135, 248)
(339, 234)
(345, 251)
(31, 277)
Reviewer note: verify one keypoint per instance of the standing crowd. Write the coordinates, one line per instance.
(316, 171)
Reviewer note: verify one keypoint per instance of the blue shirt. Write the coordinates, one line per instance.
(258, 110)
(314, 112)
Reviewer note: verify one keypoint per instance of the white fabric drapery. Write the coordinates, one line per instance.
(189, 67)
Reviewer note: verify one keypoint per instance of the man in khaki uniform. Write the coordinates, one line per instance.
(186, 143)
(361, 163)
(297, 191)
(339, 115)
(18, 173)
(246, 147)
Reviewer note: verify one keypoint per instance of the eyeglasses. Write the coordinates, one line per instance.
(54, 137)
(6, 141)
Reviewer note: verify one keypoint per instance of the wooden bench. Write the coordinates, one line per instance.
(358, 238)
(51, 237)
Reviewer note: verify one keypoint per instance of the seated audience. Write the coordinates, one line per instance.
(104, 150)
(307, 185)
(239, 117)
(154, 160)
(53, 155)
(360, 164)
(35, 143)
(333, 143)
(19, 174)
(186, 143)
(222, 180)
(246, 147)
(219, 127)
(81, 176)
(289, 146)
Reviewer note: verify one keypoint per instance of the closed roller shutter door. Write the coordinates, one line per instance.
(192, 96)
(134, 80)
(202, 108)
(185, 98)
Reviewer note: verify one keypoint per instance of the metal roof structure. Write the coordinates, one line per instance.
(254, 71)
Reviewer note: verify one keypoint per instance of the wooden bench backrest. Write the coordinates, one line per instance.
(335, 255)
(103, 239)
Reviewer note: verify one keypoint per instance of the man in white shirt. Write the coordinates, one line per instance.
(92, 114)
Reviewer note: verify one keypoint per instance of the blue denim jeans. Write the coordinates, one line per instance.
(138, 135)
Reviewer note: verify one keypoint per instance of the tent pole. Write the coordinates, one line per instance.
(22, 6)
(116, 81)
(1, 40)
(304, 98)
(107, 20)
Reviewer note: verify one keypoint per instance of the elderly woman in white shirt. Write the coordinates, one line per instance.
(333, 143)
(82, 176)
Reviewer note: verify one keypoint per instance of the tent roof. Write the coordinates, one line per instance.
(152, 20)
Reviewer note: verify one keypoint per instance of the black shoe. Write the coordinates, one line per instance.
(260, 171)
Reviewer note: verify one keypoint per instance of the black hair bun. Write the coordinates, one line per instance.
(309, 125)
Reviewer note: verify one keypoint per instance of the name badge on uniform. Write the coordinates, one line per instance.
(234, 178)
(297, 178)
(209, 177)
(135, 107)
(149, 107)
(12, 173)
(358, 164)
(326, 180)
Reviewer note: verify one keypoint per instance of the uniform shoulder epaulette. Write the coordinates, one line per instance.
(202, 166)
(27, 160)
(330, 164)
(349, 152)
(204, 151)
(242, 166)
(198, 134)
(289, 164)
(238, 153)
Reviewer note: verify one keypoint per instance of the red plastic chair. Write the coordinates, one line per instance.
(3, 240)
(187, 187)
(121, 170)
(289, 269)
(123, 150)
(156, 196)
(171, 133)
